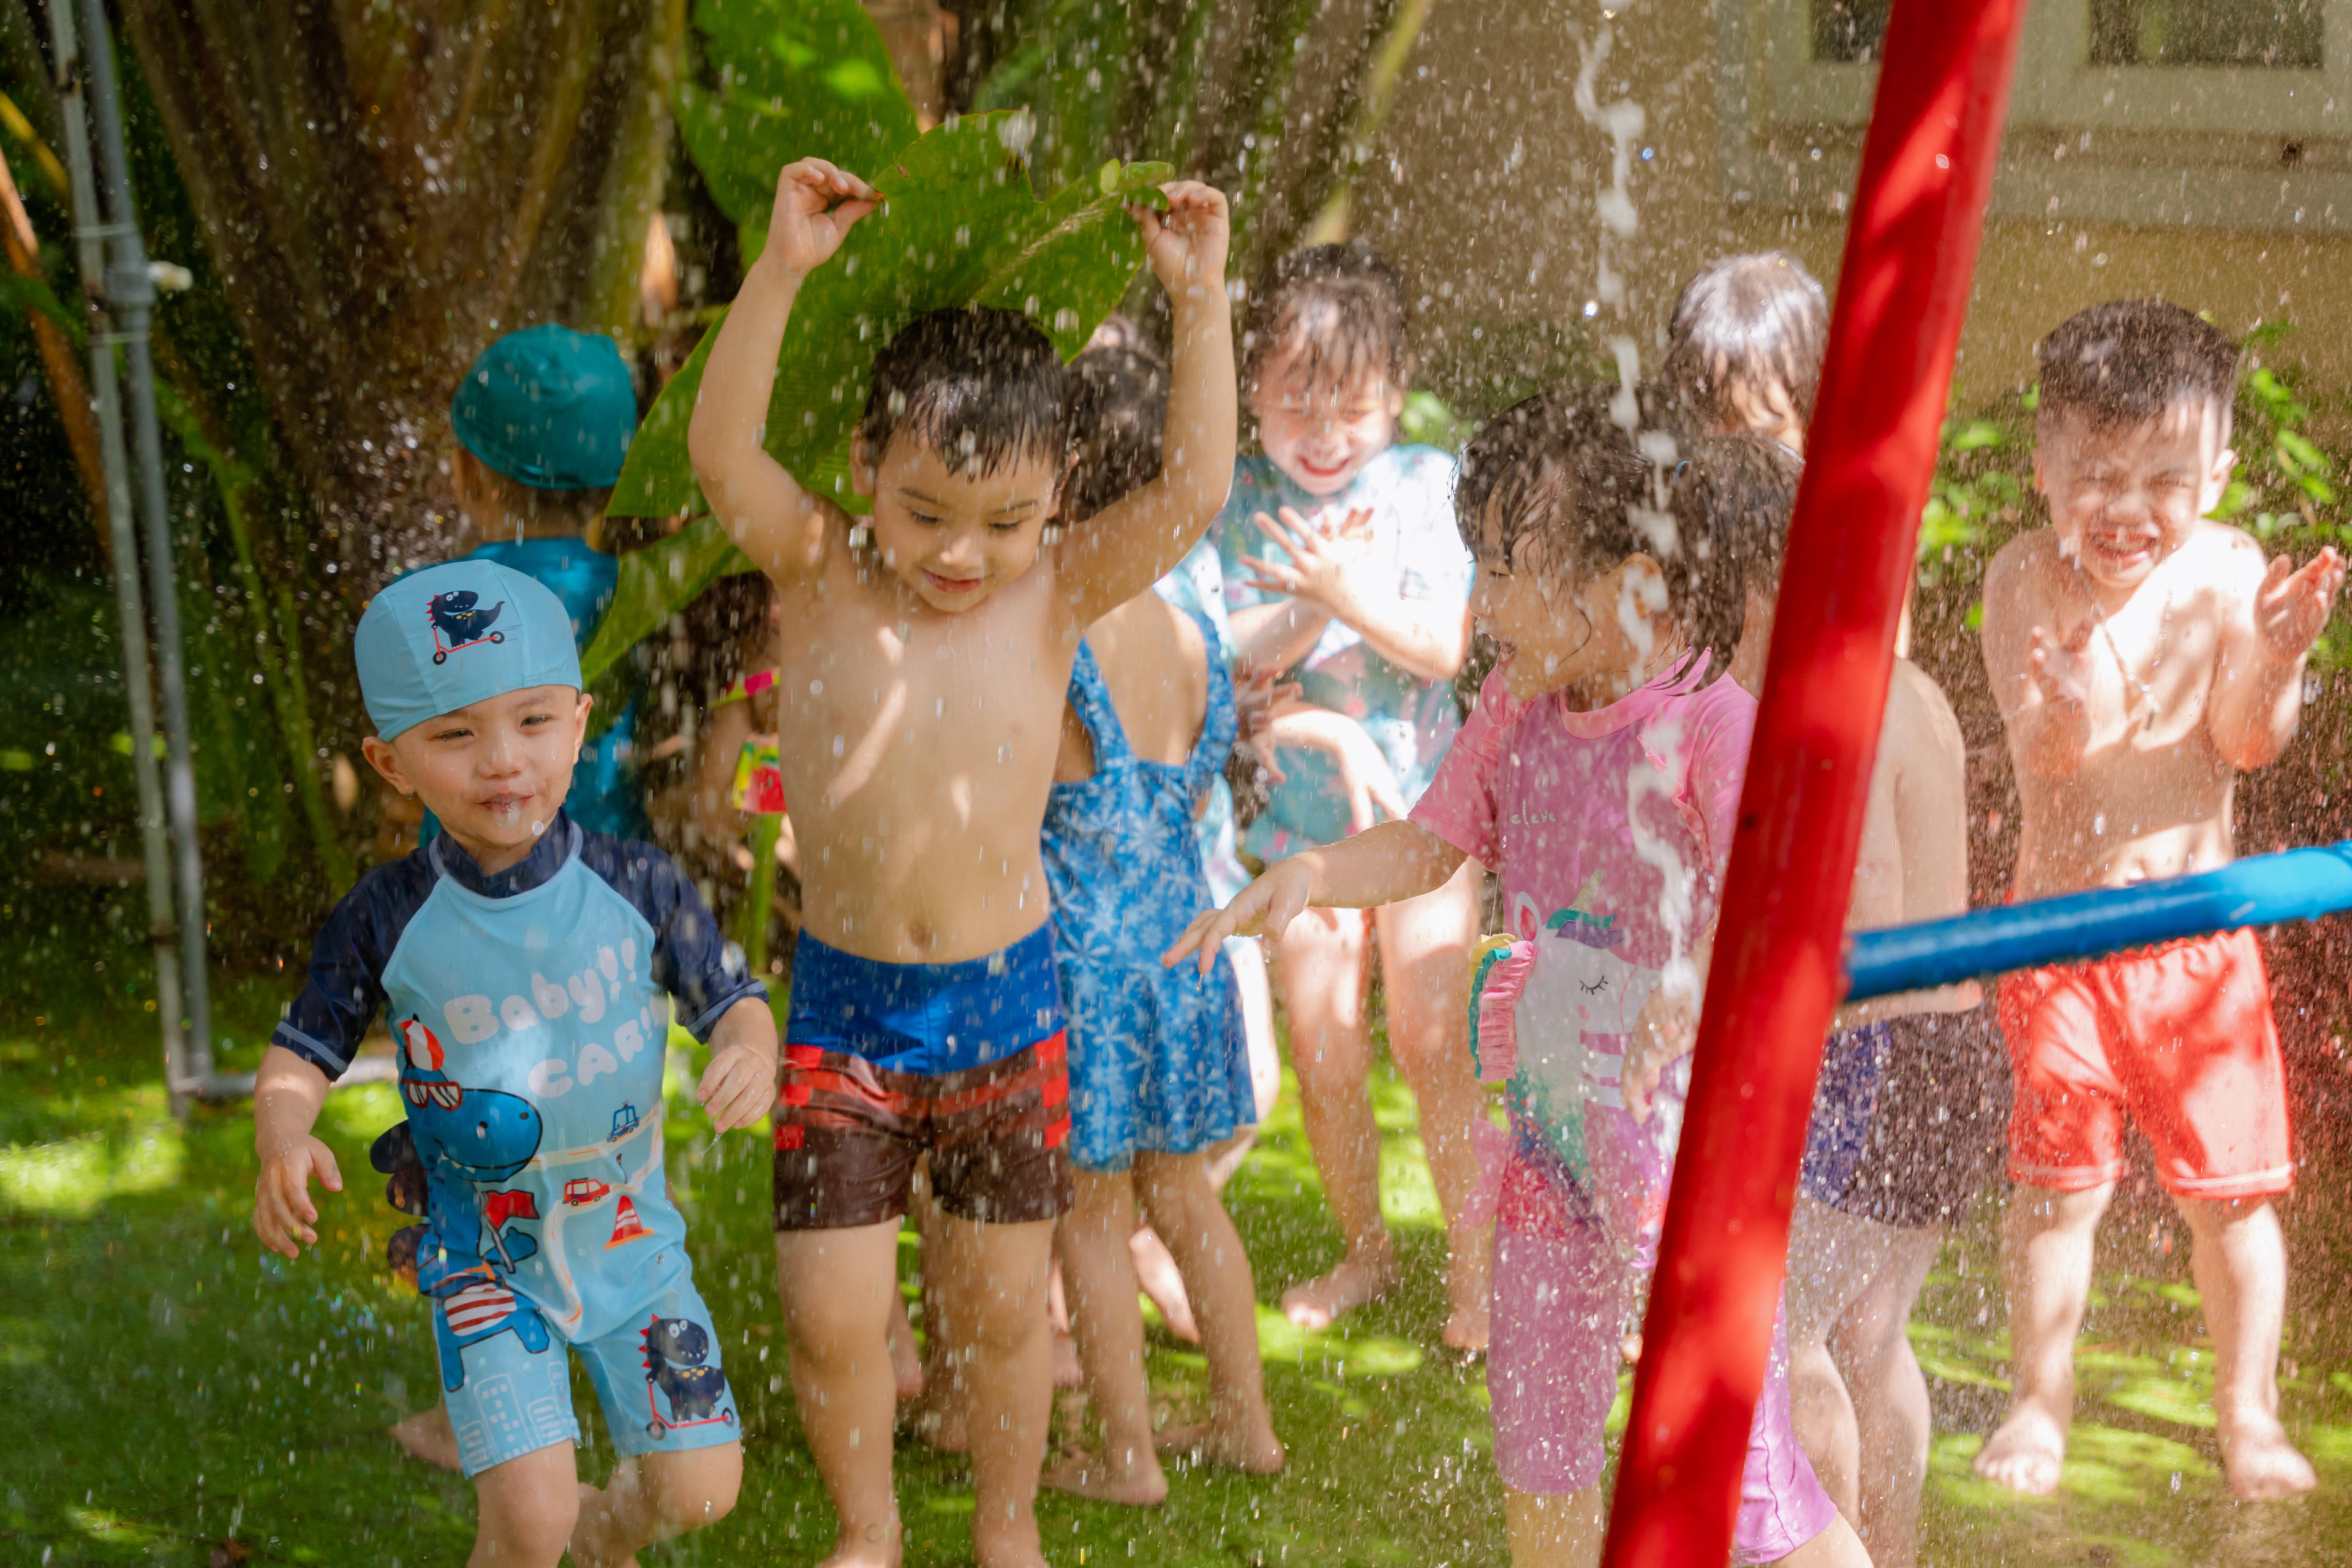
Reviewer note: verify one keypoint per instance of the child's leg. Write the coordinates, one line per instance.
(1187, 1212)
(1099, 1272)
(1825, 1275)
(427, 1436)
(994, 1276)
(2239, 1260)
(1835, 1547)
(1872, 1344)
(835, 1286)
(1424, 954)
(527, 1508)
(2046, 1246)
(1320, 966)
(1555, 1531)
(653, 1497)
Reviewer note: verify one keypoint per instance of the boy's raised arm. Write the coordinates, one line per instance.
(2258, 689)
(1125, 547)
(779, 525)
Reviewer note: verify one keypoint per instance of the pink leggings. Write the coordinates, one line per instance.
(1551, 1371)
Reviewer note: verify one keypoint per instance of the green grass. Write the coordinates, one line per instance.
(170, 1387)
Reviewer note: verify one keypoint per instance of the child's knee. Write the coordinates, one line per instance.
(533, 1522)
(700, 1488)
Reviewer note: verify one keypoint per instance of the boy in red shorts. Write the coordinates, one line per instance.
(2143, 655)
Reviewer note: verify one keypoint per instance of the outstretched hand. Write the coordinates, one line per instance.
(1186, 244)
(284, 1218)
(2062, 670)
(2292, 607)
(1322, 560)
(815, 206)
(1264, 908)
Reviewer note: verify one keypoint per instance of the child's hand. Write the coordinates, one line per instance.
(1186, 244)
(1323, 561)
(806, 227)
(738, 1086)
(1264, 908)
(2292, 607)
(1667, 1029)
(2062, 671)
(283, 1213)
(1257, 697)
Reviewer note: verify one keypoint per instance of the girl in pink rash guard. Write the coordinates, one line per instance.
(1599, 776)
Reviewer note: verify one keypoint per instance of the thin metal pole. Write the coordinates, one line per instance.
(1903, 289)
(90, 233)
(130, 299)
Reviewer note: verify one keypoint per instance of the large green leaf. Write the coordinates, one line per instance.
(656, 582)
(959, 224)
(797, 78)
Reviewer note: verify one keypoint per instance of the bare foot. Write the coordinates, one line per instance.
(1354, 1283)
(2026, 1454)
(426, 1435)
(582, 1550)
(1067, 1373)
(1466, 1330)
(1138, 1483)
(1155, 1270)
(2262, 1464)
(1255, 1449)
(937, 1422)
(1007, 1544)
(848, 1553)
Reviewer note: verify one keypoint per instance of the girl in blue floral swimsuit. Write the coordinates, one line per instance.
(1158, 1067)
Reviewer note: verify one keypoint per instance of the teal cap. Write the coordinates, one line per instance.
(548, 407)
(447, 637)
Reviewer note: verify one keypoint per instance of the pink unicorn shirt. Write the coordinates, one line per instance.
(1610, 830)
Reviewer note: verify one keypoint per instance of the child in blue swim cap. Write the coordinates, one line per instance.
(528, 968)
(543, 420)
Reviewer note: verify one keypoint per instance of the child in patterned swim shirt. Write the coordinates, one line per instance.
(526, 966)
(1598, 776)
(1340, 564)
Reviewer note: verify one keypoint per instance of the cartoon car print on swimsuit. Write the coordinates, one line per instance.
(463, 1137)
(676, 1351)
(456, 613)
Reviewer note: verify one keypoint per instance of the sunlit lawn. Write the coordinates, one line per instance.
(169, 1388)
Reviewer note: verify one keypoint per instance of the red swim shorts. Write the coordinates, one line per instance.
(2181, 1035)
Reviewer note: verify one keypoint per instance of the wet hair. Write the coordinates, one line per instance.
(1744, 324)
(1559, 468)
(1750, 484)
(1343, 304)
(976, 386)
(2128, 361)
(1118, 408)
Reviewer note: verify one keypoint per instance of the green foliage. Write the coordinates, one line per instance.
(796, 78)
(959, 224)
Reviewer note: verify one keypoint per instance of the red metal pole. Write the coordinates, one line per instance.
(1926, 168)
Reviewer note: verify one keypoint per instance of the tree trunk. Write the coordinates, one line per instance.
(387, 189)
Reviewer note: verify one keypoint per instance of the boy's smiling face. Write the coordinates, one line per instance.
(951, 533)
(2123, 499)
(1321, 433)
(495, 772)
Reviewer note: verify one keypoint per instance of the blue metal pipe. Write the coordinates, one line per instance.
(2293, 884)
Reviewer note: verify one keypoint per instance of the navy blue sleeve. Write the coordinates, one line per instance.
(691, 959)
(328, 1020)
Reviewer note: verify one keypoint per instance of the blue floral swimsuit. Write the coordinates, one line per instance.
(1157, 1060)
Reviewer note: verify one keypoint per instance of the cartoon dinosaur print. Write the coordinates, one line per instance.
(456, 614)
(466, 1139)
(675, 1351)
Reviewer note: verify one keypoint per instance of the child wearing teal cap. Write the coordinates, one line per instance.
(543, 420)
(528, 968)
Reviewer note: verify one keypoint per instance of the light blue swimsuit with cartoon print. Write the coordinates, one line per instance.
(529, 1011)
